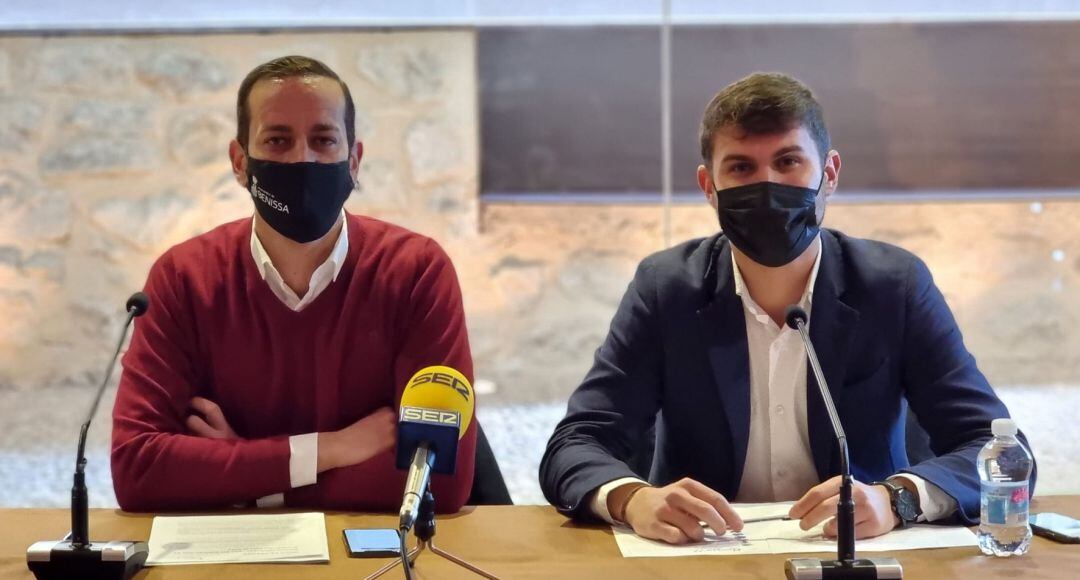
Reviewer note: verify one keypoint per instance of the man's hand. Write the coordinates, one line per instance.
(358, 442)
(874, 515)
(211, 423)
(674, 513)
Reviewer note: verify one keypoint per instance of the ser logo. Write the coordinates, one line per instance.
(446, 379)
(431, 416)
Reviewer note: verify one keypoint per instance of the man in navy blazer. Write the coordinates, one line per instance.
(699, 346)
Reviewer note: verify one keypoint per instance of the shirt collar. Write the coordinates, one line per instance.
(337, 255)
(808, 293)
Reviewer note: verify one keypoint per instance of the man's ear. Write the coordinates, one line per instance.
(355, 155)
(705, 183)
(832, 173)
(238, 159)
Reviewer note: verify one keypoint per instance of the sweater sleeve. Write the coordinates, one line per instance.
(156, 465)
(431, 332)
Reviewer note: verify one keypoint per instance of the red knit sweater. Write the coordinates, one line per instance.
(215, 329)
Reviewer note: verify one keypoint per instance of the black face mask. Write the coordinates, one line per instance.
(301, 201)
(771, 223)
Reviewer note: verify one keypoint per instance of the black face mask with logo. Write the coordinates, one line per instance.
(301, 201)
(771, 223)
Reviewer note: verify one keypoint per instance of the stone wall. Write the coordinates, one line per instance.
(112, 149)
(1010, 272)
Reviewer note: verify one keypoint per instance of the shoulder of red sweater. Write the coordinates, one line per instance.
(218, 244)
(394, 238)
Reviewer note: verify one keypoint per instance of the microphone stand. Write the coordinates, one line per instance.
(75, 556)
(845, 565)
(425, 536)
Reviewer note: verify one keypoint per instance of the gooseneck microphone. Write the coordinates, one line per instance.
(76, 556)
(845, 565)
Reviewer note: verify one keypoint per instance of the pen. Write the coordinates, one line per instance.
(759, 519)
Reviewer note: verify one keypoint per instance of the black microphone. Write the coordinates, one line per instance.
(845, 565)
(75, 556)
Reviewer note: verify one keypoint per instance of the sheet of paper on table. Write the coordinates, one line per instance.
(238, 539)
(785, 537)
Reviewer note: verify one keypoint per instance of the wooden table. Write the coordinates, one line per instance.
(527, 542)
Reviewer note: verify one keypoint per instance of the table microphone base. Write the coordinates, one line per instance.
(870, 568)
(56, 560)
(430, 544)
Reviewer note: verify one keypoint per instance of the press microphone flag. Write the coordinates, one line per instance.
(436, 409)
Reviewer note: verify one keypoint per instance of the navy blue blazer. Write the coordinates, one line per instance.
(677, 353)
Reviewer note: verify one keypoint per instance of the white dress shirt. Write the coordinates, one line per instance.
(303, 449)
(779, 463)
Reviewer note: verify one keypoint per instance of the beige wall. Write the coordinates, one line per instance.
(113, 149)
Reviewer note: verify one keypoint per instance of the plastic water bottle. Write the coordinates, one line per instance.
(1004, 469)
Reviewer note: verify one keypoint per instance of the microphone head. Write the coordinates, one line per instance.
(795, 315)
(441, 388)
(436, 409)
(137, 304)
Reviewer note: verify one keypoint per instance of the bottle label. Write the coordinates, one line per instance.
(1005, 504)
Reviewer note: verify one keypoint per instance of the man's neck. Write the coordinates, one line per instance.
(774, 289)
(296, 262)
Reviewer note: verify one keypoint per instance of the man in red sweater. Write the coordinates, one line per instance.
(276, 348)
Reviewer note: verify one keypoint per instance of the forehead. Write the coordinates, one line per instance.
(296, 100)
(735, 141)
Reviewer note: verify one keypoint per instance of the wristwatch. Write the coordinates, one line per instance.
(904, 503)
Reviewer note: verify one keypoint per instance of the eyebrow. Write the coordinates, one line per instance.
(277, 129)
(319, 127)
(736, 157)
(324, 127)
(785, 151)
(788, 149)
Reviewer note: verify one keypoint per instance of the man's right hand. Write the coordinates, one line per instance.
(674, 513)
(358, 442)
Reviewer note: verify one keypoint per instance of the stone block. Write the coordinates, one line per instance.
(142, 221)
(108, 117)
(435, 150)
(84, 66)
(31, 213)
(181, 72)
(408, 71)
(100, 154)
(20, 123)
(199, 137)
(5, 70)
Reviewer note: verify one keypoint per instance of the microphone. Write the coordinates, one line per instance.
(845, 565)
(436, 409)
(75, 556)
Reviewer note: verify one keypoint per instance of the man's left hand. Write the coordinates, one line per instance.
(874, 515)
(208, 420)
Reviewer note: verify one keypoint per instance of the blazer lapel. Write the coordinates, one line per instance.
(832, 326)
(723, 327)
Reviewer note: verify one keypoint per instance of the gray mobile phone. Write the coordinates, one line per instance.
(373, 543)
(1056, 527)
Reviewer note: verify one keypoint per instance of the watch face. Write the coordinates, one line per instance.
(907, 505)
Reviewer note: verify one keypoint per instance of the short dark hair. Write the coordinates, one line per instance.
(764, 104)
(284, 68)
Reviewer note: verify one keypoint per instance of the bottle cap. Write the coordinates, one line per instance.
(1003, 427)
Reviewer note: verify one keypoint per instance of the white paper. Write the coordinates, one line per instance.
(786, 537)
(238, 539)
